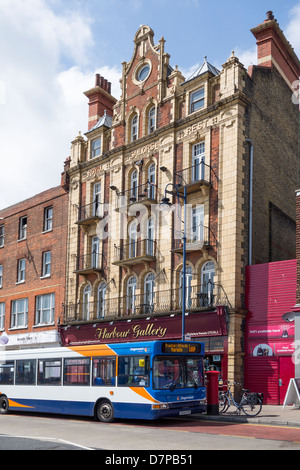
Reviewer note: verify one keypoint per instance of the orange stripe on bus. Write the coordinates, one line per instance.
(17, 405)
(143, 393)
(95, 350)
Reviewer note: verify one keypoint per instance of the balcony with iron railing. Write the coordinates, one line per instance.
(199, 176)
(203, 239)
(198, 298)
(90, 214)
(145, 194)
(89, 263)
(134, 252)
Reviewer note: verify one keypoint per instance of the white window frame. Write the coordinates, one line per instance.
(44, 315)
(131, 294)
(1, 275)
(19, 313)
(23, 228)
(46, 269)
(48, 219)
(2, 231)
(101, 300)
(197, 98)
(151, 119)
(134, 128)
(21, 270)
(134, 184)
(198, 161)
(96, 147)
(2, 316)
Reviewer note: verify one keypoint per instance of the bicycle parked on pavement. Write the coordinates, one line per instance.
(250, 403)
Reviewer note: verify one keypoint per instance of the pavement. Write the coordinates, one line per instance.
(274, 415)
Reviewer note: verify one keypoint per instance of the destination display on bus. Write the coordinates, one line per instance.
(178, 348)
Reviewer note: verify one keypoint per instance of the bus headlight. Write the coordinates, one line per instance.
(161, 406)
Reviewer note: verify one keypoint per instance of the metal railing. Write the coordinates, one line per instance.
(140, 193)
(90, 211)
(89, 262)
(198, 298)
(199, 172)
(135, 249)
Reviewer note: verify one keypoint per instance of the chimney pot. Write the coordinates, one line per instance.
(270, 15)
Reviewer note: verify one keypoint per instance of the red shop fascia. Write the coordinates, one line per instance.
(209, 327)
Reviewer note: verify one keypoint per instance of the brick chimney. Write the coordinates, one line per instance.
(273, 49)
(100, 99)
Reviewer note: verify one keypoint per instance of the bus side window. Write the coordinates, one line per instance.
(104, 371)
(26, 372)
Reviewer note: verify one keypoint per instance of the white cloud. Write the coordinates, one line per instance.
(42, 106)
(293, 28)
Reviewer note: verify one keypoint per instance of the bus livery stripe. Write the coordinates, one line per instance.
(143, 393)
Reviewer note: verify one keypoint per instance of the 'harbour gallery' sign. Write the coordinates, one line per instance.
(197, 325)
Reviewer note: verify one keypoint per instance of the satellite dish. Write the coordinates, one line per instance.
(288, 316)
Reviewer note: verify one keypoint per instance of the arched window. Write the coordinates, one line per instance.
(151, 181)
(149, 284)
(86, 302)
(151, 120)
(188, 286)
(132, 237)
(131, 295)
(101, 293)
(207, 283)
(134, 128)
(133, 185)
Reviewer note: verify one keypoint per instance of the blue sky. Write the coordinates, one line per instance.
(51, 49)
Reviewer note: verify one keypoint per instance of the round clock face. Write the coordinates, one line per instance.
(143, 73)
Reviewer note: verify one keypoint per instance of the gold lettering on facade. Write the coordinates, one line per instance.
(137, 332)
(195, 128)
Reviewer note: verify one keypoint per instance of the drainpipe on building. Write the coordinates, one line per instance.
(250, 201)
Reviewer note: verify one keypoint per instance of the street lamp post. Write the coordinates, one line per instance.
(165, 203)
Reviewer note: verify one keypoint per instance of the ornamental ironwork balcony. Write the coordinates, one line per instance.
(90, 214)
(197, 177)
(145, 194)
(89, 263)
(199, 298)
(134, 252)
(203, 239)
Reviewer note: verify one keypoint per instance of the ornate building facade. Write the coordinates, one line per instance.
(219, 137)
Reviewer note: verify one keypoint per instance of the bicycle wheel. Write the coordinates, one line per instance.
(251, 409)
(223, 402)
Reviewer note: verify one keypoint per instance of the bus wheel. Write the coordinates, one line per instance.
(3, 404)
(105, 411)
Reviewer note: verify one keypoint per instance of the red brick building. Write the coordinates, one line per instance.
(33, 236)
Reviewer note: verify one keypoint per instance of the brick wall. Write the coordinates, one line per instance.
(32, 248)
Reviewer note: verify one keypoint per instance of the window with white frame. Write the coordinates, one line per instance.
(149, 285)
(197, 100)
(188, 286)
(23, 228)
(48, 219)
(1, 275)
(19, 313)
(151, 120)
(46, 268)
(2, 315)
(1, 235)
(197, 220)
(45, 307)
(134, 128)
(101, 294)
(131, 295)
(21, 270)
(198, 161)
(96, 148)
(133, 185)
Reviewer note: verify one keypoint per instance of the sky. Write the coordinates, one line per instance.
(50, 51)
